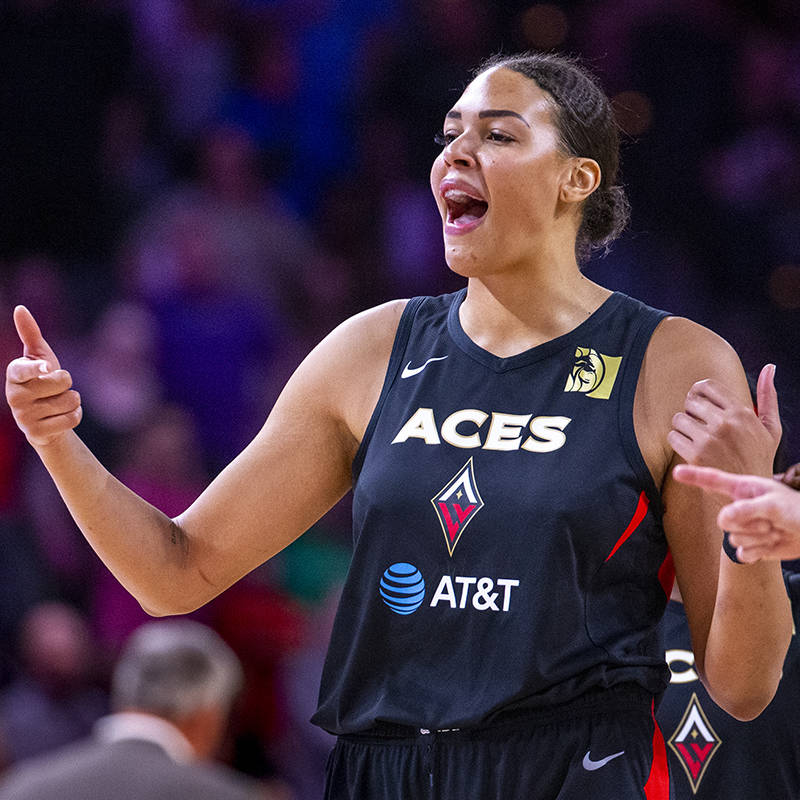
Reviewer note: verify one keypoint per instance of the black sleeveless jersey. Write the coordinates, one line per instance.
(711, 754)
(508, 550)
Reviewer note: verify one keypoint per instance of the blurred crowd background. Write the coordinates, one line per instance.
(193, 192)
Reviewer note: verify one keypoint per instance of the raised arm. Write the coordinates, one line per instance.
(694, 391)
(293, 471)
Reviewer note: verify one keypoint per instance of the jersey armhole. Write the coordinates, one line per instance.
(395, 360)
(627, 428)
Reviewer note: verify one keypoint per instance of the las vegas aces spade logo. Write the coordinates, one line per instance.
(457, 504)
(694, 742)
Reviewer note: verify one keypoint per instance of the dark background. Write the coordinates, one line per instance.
(193, 192)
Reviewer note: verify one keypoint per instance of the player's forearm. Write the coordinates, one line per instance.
(748, 639)
(146, 551)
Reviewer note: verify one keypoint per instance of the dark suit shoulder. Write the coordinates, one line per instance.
(125, 770)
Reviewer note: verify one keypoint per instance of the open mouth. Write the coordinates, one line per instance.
(463, 209)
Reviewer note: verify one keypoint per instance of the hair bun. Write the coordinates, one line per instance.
(605, 215)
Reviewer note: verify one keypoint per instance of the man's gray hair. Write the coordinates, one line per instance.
(173, 668)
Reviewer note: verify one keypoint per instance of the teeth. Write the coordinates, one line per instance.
(457, 196)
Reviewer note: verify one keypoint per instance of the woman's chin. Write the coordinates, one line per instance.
(465, 261)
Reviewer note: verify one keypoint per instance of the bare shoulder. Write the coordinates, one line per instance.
(685, 352)
(680, 354)
(344, 373)
(369, 332)
(357, 345)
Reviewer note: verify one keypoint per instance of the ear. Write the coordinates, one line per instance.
(582, 178)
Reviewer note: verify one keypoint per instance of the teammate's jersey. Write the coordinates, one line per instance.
(711, 754)
(508, 545)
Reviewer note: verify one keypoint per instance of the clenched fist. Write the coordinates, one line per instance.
(39, 392)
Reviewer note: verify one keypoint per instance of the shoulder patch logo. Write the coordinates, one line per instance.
(694, 742)
(593, 373)
(457, 504)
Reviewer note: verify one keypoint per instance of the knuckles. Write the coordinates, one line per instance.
(43, 405)
(57, 381)
(37, 387)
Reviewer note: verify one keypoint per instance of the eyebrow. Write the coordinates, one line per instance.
(490, 112)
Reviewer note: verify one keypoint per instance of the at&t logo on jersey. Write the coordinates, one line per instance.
(402, 589)
(482, 594)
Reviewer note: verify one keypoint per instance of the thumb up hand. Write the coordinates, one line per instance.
(38, 391)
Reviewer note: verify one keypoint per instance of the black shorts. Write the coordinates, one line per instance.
(604, 745)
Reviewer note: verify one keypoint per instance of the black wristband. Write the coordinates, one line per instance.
(729, 549)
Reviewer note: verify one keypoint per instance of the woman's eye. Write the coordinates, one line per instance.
(447, 137)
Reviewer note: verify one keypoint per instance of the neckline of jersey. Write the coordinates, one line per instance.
(536, 353)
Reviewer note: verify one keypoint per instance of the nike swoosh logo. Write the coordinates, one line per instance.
(590, 765)
(408, 371)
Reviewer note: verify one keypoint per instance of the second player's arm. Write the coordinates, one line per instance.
(738, 615)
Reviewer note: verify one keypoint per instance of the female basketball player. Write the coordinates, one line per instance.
(510, 451)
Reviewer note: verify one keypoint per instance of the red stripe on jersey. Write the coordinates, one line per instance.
(657, 786)
(666, 574)
(638, 516)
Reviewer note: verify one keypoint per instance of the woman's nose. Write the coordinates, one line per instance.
(460, 152)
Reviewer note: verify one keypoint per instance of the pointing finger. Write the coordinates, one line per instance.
(708, 478)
